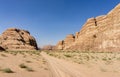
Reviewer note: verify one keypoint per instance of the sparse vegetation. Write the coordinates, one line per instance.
(67, 55)
(26, 67)
(28, 61)
(107, 59)
(7, 70)
(22, 66)
(29, 69)
(20, 62)
(3, 55)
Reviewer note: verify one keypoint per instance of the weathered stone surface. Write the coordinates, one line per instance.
(16, 39)
(69, 40)
(60, 45)
(64, 44)
(101, 33)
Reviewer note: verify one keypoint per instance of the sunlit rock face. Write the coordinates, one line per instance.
(100, 33)
(17, 39)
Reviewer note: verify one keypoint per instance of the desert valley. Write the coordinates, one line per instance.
(94, 51)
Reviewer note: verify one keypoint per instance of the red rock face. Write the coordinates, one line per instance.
(16, 39)
(101, 33)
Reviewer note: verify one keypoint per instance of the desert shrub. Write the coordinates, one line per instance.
(29, 69)
(7, 70)
(26, 67)
(3, 55)
(67, 55)
(28, 62)
(22, 66)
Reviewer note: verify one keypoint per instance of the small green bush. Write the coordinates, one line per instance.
(7, 70)
(26, 67)
(22, 66)
(3, 55)
(67, 55)
(28, 62)
(29, 69)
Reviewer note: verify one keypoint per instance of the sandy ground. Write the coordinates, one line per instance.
(12, 60)
(66, 68)
(44, 65)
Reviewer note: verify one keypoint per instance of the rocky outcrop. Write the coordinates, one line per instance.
(64, 44)
(48, 47)
(69, 40)
(101, 33)
(16, 39)
(60, 45)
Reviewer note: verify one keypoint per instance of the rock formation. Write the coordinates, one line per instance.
(60, 45)
(16, 39)
(101, 33)
(48, 47)
(64, 44)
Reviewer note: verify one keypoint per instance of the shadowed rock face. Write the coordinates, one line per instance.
(16, 39)
(1, 49)
(101, 33)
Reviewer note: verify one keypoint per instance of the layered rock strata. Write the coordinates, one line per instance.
(17, 39)
(101, 33)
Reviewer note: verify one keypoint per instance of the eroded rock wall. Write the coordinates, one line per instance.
(101, 33)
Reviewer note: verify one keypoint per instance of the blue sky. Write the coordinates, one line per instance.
(51, 20)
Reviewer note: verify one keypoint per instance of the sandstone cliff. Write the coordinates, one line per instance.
(101, 33)
(16, 39)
